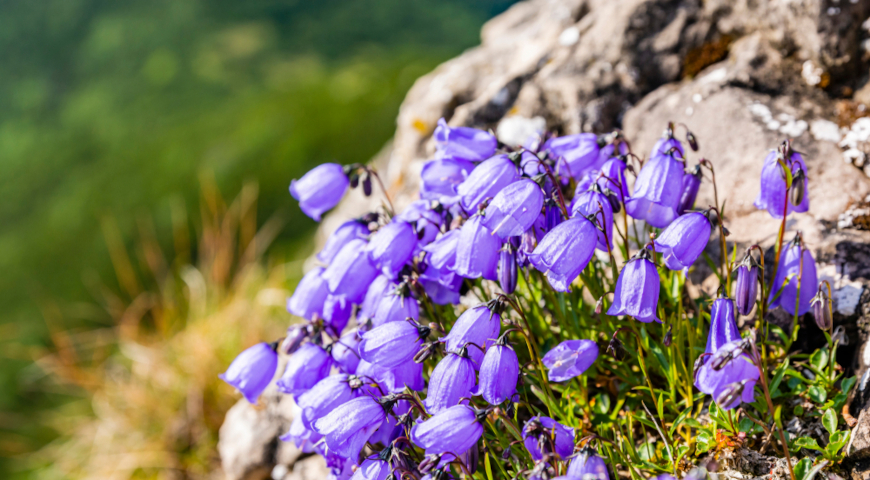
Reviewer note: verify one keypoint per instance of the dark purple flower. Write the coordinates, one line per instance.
(588, 466)
(565, 251)
(310, 294)
(689, 190)
(514, 209)
(772, 196)
(336, 313)
(391, 247)
(455, 429)
(392, 343)
(796, 262)
(347, 428)
(348, 231)
(598, 205)
(637, 290)
(440, 178)
(478, 325)
(464, 143)
(327, 394)
(380, 287)
(740, 370)
(452, 379)
(351, 272)
(303, 437)
(499, 373)
(657, 191)
(345, 352)
(486, 181)
(396, 306)
(574, 154)
(372, 468)
(476, 251)
(320, 189)
(570, 359)
(507, 268)
(541, 434)
(552, 214)
(309, 365)
(252, 370)
(747, 286)
(612, 177)
(683, 241)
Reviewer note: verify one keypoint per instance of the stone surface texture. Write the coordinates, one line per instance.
(744, 75)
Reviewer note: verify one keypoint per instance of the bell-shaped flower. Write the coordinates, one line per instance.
(336, 313)
(796, 264)
(689, 190)
(346, 232)
(612, 178)
(455, 429)
(326, 395)
(499, 373)
(310, 294)
(463, 143)
(320, 189)
(426, 219)
(739, 371)
(252, 370)
(442, 252)
(393, 343)
(391, 247)
(747, 285)
(514, 209)
(451, 380)
(309, 365)
(613, 149)
(396, 306)
(476, 251)
(657, 191)
(574, 154)
(489, 178)
(303, 437)
(345, 352)
(637, 290)
(372, 468)
(478, 325)
(442, 288)
(570, 359)
(565, 251)
(587, 465)
(440, 178)
(405, 375)
(379, 288)
(541, 434)
(683, 241)
(595, 204)
(351, 272)
(391, 429)
(772, 196)
(347, 428)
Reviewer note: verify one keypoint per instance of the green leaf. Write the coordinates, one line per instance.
(802, 469)
(829, 420)
(601, 404)
(838, 440)
(487, 467)
(691, 422)
(807, 442)
(778, 374)
(706, 441)
(647, 451)
(819, 359)
(817, 394)
(847, 384)
(745, 425)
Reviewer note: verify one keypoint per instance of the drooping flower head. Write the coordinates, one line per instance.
(440, 178)
(658, 186)
(476, 251)
(372, 468)
(336, 313)
(689, 189)
(592, 203)
(574, 155)
(345, 352)
(612, 178)
(396, 306)
(683, 241)
(478, 325)
(392, 246)
(637, 289)
(507, 267)
(326, 395)
(379, 288)
(772, 196)
(351, 272)
(451, 380)
(347, 428)
(303, 437)
(543, 435)
(347, 231)
(463, 143)
(796, 264)
(320, 189)
(514, 209)
(747, 284)
(486, 181)
(252, 371)
(565, 251)
(426, 218)
(499, 373)
(455, 429)
(587, 465)
(570, 359)
(309, 365)
(393, 343)
(310, 294)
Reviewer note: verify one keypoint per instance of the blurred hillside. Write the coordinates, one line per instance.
(112, 112)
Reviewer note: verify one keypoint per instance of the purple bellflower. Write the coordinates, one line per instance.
(683, 241)
(396, 306)
(309, 365)
(406, 375)
(772, 196)
(464, 143)
(739, 371)
(637, 289)
(310, 294)
(252, 370)
(508, 268)
(391, 429)
(476, 251)
(347, 428)
(379, 288)
(499, 373)
(478, 325)
(303, 437)
(565, 251)
(442, 252)
(541, 434)
(351, 272)
(613, 149)
(455, 429)
(574, 154)
(320, 189)
(392, 344)
(427, 216)
(326, 395)
(348, 231)
(441, 292)
(486, 181)
(452, 379)
(372, 468)
(570, 359)
(747, 285)
(596, 204)
(345, 352)
(588, 466)
(392, 246)
(440, 178)
(514, 209)
(796, 263)
(689, 190)
(657, 191)
(336, 313)
(612, 177)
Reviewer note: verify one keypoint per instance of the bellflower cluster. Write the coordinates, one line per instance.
(444, 334)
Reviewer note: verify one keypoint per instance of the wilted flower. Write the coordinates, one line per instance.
(320, 189)
(252, 371)
(351, 272)
(309, 365)
(514, 209)
(478, 325)
(476, 251)
(689, 190)
(499, 372)
(595, 204)
(392, 246)
(392, 343)
(772, 196)
(455, 429)
(796, 264)
(544, 435)
(657, 191)
(683, 241)
(347, 428)
(348, 231)
(565, 251)
(747, 285)
(310, 294)
(822, 309)
(637, 290)
(463, 143)
(440, 178)
(588, 466)
(486, 181)
(570, 359)
(452, 379)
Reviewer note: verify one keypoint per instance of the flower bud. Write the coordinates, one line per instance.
(822, 310)
(747, 286)
(689, 190)
(669, 336)
(507, 268)
(692, 140)
(367, 184)
(553, 214)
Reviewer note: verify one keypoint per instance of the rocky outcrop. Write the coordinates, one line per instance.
(744, 75)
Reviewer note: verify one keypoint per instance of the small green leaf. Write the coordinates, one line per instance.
(847, 384)
(829, 420)
(807, 442)
(819, 359)
(802, 469)
(745, 425)
(799, 410)
(705, 441)
(778, 374)
(647, 451)
(602, 403)
(817, 394)
(487, 467)
(838, 440)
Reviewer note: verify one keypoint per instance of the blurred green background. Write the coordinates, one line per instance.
(116, 109)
